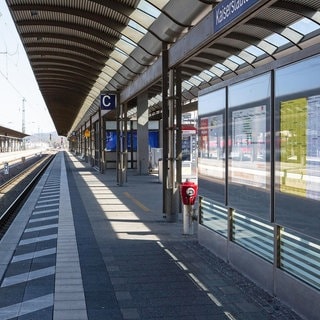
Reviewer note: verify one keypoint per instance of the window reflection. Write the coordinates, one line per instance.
(212, 146)
(297, 146)
(249, 146)
(238, 142)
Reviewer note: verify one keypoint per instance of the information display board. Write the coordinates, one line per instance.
(248, 152)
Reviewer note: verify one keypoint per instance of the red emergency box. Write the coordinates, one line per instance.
(188, 192)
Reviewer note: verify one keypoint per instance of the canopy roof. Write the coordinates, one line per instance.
(12, 133)
(79, 48)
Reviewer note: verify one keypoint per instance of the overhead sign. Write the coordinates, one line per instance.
(108, 101)
(229, 10)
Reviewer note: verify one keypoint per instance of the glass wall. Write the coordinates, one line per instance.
(272, 168)
(265, 194)
(249, 146)
(212, 146)
(297, 146)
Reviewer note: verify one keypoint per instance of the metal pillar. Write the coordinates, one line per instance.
(171, 110)
(90, 144)
(86, 142)
(122, 149)
(178, 83)
(23, 123)
(132, 160)
(101, 142)
(142, 134)
(165, 126)
(125, 142)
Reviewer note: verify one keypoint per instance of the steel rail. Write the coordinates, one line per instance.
(25, 191)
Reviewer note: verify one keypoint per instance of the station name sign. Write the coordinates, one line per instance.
(228, 10)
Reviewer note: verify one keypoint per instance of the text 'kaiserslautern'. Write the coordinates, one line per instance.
(229, 10)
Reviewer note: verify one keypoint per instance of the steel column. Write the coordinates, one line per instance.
(171, 110)
(178, 83)
(121, 143)
(100, 141)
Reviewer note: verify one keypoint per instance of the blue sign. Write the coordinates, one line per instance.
(229, 10)
(108, 101)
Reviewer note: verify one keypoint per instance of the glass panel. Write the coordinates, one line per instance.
(305, 26)
(237, 60)
(277, 40)
(249, 146)
(300, 257)
(230, 64)
(199, 78)
(216, 71)
(211, 162)
(132, 34)
(214, 216)
(267, 47)
(153, 125)
(149, 9)
(292, 35)
(291, 76)
(297, 146)
(111, 125)
(205, 76)
(119, 55)
(121, 51)
(209, 73)
(136, 26)
(254, 235)
(249, 58)
(194, 81)
(222, 67)
(142, 18)
(187, 85)
(255, 51)
(127, 40)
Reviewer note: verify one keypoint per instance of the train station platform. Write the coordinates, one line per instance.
(84, 248)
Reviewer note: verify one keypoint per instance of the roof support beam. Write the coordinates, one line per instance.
(198, 37)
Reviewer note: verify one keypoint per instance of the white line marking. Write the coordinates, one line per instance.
(36, 254)
(27, 276)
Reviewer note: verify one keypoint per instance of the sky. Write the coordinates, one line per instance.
(18, 87)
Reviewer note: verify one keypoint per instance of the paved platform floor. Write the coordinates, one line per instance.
(84, 248)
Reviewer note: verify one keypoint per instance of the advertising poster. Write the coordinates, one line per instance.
(203, 137)
(293, 121)
(299, 147)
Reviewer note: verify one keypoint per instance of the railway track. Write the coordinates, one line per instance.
(14, 191)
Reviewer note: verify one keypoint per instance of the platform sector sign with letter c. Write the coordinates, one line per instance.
(108, 101)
